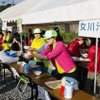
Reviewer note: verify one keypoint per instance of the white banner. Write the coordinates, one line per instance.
(4, 26)
(90, 28)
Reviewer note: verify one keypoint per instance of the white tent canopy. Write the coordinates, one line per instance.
(71, 12)
(51, 11)
(13, 13)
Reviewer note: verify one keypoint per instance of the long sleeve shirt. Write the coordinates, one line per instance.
(91, 56)
(61, 55)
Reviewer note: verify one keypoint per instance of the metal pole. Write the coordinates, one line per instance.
(21, 43)
(25, 38)
(96, 58)
(12, 2)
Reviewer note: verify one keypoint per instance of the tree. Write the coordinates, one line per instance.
(4, 7)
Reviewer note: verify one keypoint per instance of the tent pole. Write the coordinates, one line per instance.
(21, 43)
(12, 1)
(96, 57)
(25, 38)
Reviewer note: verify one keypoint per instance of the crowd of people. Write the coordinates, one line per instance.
(47, 48)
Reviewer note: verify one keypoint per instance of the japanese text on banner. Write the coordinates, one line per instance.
(89, 28)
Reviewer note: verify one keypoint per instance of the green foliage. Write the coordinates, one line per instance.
(69, 37)
(25, 33)
(4, 7)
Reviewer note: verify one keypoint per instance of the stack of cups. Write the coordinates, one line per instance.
(68, 90)
(26, 68)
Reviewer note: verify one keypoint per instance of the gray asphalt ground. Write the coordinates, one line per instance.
(8, 91)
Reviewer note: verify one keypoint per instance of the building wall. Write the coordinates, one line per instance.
(74, 27)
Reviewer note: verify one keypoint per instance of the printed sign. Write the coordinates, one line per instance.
(19, 25)
(90, 28)
(4, 26)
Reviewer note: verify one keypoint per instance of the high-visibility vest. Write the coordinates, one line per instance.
(37, 44)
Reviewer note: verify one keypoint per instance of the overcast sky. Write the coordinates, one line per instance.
(5, 2)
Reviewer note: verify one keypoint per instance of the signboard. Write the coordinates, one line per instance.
(90, 28)
(4, 26)
(19, 25)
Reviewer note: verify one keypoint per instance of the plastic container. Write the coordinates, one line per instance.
(37, 72)
(26, 47)
(26, 68)
(63, 82)
(62, 90)
(68, 90)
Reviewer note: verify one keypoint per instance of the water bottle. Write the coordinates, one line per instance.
(68, 90)
(26, 68)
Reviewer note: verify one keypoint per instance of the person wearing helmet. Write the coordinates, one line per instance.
(37, 42)
(58, 54)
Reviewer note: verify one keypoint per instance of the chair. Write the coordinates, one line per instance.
(19, 91)
(25, 80)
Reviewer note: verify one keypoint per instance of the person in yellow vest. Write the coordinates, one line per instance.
(37, 42)
(6, 40)
(59, 56)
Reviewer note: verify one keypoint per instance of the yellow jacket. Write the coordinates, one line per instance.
(37, 44)
(5, 45)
